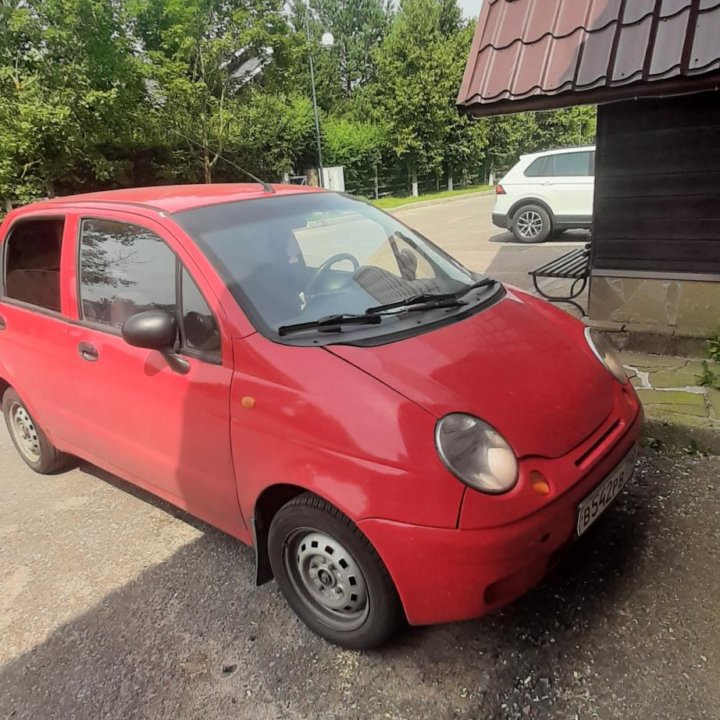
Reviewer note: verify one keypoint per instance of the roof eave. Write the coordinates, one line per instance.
(597, 96)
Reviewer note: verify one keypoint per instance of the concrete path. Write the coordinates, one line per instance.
(684, 414)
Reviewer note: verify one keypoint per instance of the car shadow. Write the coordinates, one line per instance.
(566, 236)
(192, 637)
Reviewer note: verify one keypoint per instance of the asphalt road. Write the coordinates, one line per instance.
(463, 227)
(115, 605)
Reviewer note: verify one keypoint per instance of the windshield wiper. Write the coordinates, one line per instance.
(485, 282)
(331, 323)
(427, 301)
(413, 300)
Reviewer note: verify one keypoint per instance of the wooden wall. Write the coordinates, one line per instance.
(657, 186)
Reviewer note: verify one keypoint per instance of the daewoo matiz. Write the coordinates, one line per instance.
(398, 437)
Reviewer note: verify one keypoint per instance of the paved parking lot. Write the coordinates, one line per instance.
(463, 227)
(115, 605)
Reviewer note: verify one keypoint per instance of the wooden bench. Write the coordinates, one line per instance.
(573, 266)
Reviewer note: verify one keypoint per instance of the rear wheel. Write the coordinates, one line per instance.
(28, 437)
(531, 224)
(331, 575)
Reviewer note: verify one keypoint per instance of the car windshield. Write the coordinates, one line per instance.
(303, 257)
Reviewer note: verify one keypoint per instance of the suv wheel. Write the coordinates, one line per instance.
(29, 439)
(531, 224)
(331, 575)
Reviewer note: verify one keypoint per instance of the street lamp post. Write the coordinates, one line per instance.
(327, 40)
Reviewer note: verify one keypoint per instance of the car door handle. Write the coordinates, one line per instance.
(88, 352)
(3, 324)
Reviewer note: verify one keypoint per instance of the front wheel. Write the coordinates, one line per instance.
(331, 575)
(28, 437)
(531, 224)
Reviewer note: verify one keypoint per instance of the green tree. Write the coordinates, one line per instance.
(201, 56)
(420, 65)
(68, 80)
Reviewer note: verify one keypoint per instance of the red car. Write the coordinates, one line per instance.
(398, 437)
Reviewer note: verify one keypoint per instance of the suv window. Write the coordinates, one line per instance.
(542, 167)
(572, 164)
(579, 164)
(32, 263)
(126, 269)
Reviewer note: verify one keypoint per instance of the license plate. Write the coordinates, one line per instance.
(590, 509)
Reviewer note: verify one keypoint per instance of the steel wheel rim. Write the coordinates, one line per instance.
(326, 578)
(530, 225)
(24, 432)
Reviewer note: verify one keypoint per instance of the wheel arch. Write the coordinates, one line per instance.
(531, 201)
(268, 502)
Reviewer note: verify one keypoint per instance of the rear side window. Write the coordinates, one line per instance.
(126, 269)
(32, 263)
(542, 167)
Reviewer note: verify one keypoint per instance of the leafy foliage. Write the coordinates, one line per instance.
(103, 93)
(713, 347)
(708, 378)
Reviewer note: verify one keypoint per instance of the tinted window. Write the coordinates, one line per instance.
(572, 164)
(124, 269)
(32, 263)
(542, 167)
(200, 330)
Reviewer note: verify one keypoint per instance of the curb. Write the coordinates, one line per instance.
(439, 201)
(679, 436)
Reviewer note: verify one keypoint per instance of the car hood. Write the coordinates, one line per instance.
(521, 365)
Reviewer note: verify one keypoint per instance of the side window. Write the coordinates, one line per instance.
(542, 167)
(200, 329)
(32, 263)
(592, 164)
(124, 269)
(572, 164)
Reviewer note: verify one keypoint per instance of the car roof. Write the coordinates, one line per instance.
(175, 198)
(557, 151)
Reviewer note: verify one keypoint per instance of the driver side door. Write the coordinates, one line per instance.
(140, 418)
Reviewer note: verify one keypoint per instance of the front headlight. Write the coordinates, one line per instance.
(476, 453)
(606, 354)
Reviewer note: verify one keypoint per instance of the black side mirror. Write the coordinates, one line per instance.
(155, 330)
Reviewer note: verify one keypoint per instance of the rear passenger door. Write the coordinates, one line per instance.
(35, 354)
(570, 187)
(166, 431)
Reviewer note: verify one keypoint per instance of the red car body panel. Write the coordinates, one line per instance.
(354, 425)
(507, 365)
(449, 575)
(306, 428)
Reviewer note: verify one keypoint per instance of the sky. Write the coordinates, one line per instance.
(470, 8)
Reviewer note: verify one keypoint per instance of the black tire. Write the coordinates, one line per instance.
(366, 609)
(531, 224)
(29, 438)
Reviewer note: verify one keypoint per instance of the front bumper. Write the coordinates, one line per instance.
(445, 575)
(501, 220)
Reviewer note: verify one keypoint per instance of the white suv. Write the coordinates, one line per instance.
(545, 192)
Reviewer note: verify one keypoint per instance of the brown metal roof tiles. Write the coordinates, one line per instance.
(538, 54)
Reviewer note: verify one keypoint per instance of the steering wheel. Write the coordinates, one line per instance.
(326, 266)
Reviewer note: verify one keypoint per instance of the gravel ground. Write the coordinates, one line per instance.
(115, 605)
